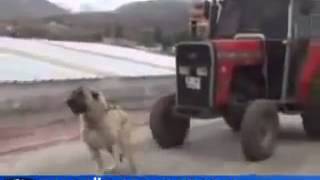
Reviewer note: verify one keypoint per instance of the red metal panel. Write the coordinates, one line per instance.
(309, 72)
(231, 54)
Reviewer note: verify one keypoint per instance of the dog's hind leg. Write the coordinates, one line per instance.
(96, 156)
(128, 153)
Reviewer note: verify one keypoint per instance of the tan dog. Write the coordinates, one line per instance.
(103, 127)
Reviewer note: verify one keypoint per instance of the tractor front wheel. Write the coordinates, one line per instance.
(259, 130)
(168, 129)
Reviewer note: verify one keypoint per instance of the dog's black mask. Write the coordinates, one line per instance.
(76, 102)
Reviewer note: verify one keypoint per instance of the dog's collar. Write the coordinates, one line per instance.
(111, 107)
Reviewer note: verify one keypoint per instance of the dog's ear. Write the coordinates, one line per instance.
(70, 103)
(86, 93)
(81, 88)
(95, 95)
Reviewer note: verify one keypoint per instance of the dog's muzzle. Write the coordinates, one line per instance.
(76, 107)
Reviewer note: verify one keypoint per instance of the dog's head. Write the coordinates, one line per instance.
(80, 99)
(76, 102)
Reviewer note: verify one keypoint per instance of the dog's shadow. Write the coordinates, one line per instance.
(122, 170)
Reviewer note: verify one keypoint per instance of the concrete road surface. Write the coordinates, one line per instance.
(210, 149)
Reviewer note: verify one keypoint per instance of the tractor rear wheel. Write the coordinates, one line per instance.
(311, 121)
(168, 129)
(259, 130)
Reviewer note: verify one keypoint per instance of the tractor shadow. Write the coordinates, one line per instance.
(218, 140)
(213, 143)
(218, 143)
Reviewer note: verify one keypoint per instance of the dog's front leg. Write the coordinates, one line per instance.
(96, 156)
(116, 156)
(128, 153)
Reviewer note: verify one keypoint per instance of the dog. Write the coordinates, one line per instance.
(104, 126)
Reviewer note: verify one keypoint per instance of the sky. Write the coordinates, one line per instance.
(91, 5)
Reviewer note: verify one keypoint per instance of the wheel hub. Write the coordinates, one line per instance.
(266, 135)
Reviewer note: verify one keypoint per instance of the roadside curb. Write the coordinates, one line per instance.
(37, 137)
(130, 93)
(35, 146)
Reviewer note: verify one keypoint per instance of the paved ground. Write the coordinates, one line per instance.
(210, 149)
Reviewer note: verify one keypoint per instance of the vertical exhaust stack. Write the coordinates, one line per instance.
(213, 19)
(193, 29)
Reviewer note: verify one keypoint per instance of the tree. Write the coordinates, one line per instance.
(158, 34)
(147, 37)
(118, 31)
(182, 36)
(170, 40)
(107, 32)
(167, 42)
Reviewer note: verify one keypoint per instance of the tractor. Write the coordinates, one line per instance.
(248, 61)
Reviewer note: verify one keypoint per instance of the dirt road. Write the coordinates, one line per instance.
(211, 148)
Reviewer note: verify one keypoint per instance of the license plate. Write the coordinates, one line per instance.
(193, 83)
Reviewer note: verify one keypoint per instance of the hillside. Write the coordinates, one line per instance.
(170, 15)
(13, 9)
(146, 22)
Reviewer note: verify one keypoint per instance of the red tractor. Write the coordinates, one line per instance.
(260, 57)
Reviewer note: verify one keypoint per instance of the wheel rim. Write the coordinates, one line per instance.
(266, 137)
(266, 134)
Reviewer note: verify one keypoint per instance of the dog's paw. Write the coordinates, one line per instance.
(110, 170)
(100, 172)
(121, 157)
(134, 171)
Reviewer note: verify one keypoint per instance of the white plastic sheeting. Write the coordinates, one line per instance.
(119, 52)
(31, 59)
(17, 68)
